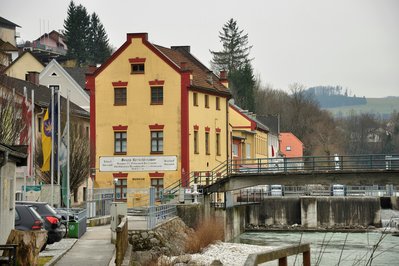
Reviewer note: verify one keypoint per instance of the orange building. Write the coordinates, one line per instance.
(290, 145)
(157, 114)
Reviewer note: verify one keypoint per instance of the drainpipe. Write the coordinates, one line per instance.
(5, 159)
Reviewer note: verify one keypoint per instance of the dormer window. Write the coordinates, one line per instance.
(137, 65)
(137, 68)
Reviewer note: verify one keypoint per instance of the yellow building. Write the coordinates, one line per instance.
(157, 115)
(249, 136)
(25, 64)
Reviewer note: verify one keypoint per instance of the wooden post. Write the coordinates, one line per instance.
(306, 258)
(282, 261)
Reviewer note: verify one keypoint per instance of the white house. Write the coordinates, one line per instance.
(10, 158)
(54, 75)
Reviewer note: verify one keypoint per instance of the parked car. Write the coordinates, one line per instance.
(26, 218)
(52, 224)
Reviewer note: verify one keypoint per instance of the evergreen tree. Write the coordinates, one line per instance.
(76, 32)
(242, 84)
(99, 49)
(235, 59)
(85, 36)
(235, 53)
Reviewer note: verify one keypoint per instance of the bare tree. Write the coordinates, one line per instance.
(11, 117)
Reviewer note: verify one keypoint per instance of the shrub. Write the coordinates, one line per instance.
(205, 234)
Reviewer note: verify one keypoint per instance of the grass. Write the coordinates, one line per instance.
(43, 260)
(205, 234)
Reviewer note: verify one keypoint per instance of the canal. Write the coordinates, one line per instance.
(369, 248)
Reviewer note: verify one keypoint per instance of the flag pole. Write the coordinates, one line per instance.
(33, 139)
(67, 159)
(26, 172)
(52, 147)
(58, 137)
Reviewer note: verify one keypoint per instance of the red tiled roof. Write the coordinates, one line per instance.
(200, 73)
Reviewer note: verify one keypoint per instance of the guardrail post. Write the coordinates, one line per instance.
(282, 261)
(285, 164)
(306, 258)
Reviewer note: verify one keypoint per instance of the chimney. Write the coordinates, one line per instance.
(32, 77)
(183, 47)
(223, 78)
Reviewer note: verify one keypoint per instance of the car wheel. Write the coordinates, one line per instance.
(63, 229)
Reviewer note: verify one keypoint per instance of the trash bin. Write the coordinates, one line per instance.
(77, 221)
(73, 230)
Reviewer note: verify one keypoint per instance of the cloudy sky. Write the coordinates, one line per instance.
(351, 43)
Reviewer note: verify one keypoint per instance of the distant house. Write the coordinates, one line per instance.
(8, 31)
(8, 43)
(10, 159)
(72, 79)
(249, 136)
(48, 46)
(290, 145)
(273, 123)
(23, 65)
(8, 53)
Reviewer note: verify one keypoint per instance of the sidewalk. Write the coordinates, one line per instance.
(93, 248)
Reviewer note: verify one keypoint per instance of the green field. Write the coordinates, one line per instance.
(382, 106)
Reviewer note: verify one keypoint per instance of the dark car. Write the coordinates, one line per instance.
(51, 219)
(26, 218)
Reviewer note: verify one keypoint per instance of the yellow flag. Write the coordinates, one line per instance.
(46, 142)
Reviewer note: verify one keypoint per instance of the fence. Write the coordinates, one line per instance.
(147, 218)
(122, 241)
(256, 194)
(281, 255)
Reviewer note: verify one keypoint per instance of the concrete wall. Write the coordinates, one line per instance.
(7, 191)
(344, 211)
(275, 210)
(234, 222)
(315, 212)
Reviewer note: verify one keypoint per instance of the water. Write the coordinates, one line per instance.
(333, 248)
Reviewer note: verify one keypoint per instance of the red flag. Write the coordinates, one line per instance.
(25, 137)
(272, 151)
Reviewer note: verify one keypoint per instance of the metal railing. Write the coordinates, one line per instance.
(257, 194)
(147, 218)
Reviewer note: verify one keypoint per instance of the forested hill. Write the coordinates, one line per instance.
(330, 96)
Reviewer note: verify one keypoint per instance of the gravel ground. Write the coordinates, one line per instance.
(231, 254)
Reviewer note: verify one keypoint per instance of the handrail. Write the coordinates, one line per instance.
(280, 254)
(292, 164)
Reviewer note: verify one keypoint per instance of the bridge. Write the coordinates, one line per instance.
(357, 170)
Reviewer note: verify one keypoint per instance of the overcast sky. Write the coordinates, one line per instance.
(351, 43)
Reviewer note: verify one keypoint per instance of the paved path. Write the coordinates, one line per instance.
(93, 248)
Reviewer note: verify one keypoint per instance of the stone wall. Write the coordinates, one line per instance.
(168, 239)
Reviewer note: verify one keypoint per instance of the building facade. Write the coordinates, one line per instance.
(249, 136)
(157, 116)
(290, 145)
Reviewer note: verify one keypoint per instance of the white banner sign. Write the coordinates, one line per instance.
(138, 163)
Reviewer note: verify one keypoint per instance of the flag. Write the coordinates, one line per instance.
(46, 140)
(63, 152)
(49, 124)
(25, 137)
